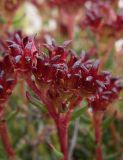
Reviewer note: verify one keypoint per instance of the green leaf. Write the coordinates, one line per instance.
(85, 119)
(113, 156)
(77, 113)
(12, 115)
(18, 21)
(109, 63)
(2, 153)
(57, 153)
(2, 20)
(109, 120)
(34, 101)
(91, 37)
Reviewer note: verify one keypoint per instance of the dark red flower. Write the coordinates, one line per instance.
(60, 73)
(118, 23)
(107, 95)
(64, 75)
(10, 36)
(7, 79)
(102, 19)
(22, 52)
(11, 5)
(7, 84)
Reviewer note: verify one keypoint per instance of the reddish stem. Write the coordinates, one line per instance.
(71, 27)
(62, 128)
(62, 121)
(69, 21)
(6, 140)
(62, 124)
(41, 96)
(97, 120)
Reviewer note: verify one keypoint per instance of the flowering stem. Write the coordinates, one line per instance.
(62, 124)
(41, 96)
(62, 128)
(6, 141)
(97, 120)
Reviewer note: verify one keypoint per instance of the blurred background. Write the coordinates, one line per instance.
(30, 127)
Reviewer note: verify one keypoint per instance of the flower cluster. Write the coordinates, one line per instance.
(7, 75)
(60, 73)
(3, 44)
(7, 79)
(7, 84)
(68, 5)
(64, 75)
(10, 5)
(22, 52)
(104, 97)
(101, 18)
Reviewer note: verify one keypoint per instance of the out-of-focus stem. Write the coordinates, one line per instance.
(6, 141)
(71, 27)
(69, 21)
(97, 121)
